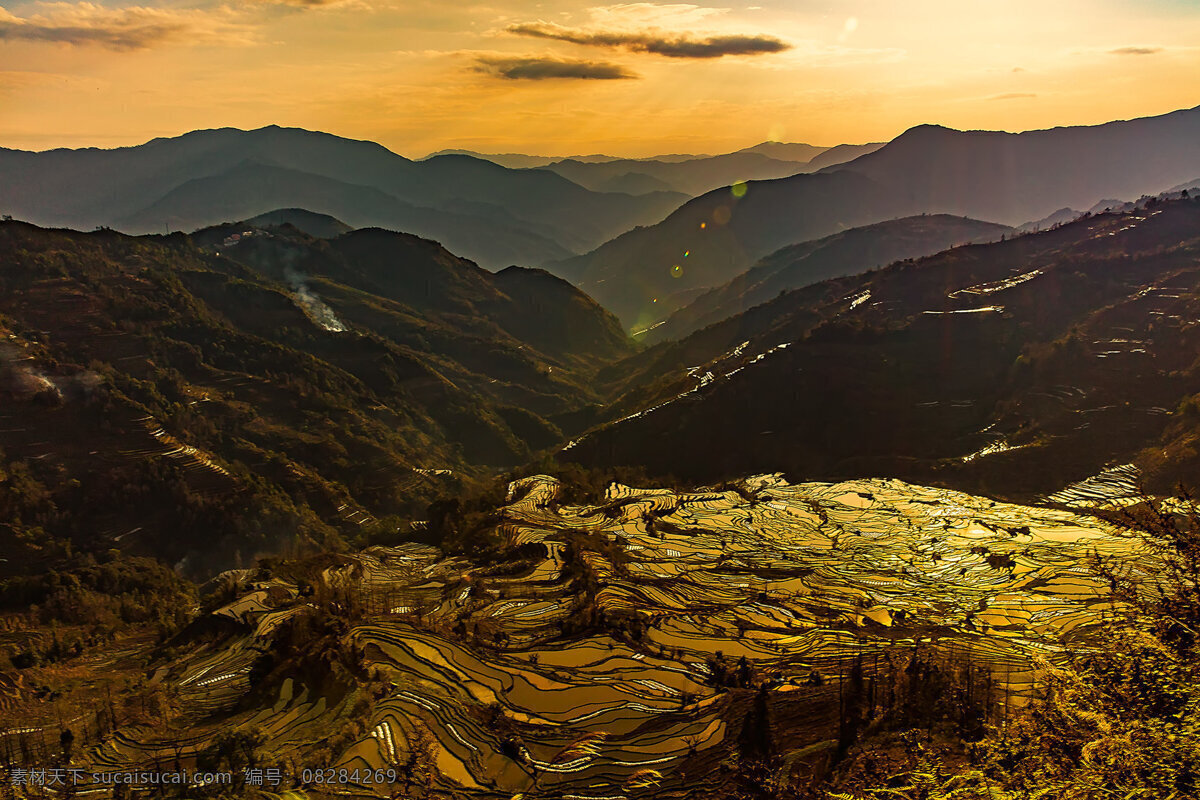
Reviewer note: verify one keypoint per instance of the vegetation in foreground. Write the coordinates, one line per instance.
(1121, 720)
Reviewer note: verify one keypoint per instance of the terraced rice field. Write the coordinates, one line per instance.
(589, 664)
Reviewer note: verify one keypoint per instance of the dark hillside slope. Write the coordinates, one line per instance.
(162, 399)
(717, 236)
(853, 251)
(1011, 368)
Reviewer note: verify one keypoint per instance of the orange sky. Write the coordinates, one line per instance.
(562, 78)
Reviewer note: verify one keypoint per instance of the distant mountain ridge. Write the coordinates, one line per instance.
(690, 174)
(691, 177)
(242, 191)
(842, 153)
(192, 180)
(788, 151)
(999, 177)
(1013, 177)
(783, 151)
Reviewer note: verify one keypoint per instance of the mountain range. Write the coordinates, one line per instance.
(782, 151)
(491, 214)
(997, 177)
(701, 174)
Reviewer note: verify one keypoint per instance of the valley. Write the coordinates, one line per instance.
(787, 472)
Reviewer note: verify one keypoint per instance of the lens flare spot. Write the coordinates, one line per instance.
(676, 271)
(687, 253)
(703, 225)
(738, 189)
(721, 215)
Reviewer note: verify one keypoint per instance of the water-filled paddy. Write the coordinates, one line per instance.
(659, 592)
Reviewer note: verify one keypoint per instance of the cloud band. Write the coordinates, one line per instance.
(657, 44)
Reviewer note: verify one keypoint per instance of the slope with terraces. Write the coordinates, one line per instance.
(629, 649)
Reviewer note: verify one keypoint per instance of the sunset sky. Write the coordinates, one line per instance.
(560, 77)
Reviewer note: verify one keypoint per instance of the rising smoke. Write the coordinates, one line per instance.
(310, 304)
(20, 378)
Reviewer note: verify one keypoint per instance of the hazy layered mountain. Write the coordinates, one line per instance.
(1012, 368)
(242, 191)
(464, 199)
(633, 183)
(645, 274)
(847, 253)
(789, 151)
(1058, 217)
(423, 601)
(1000, 177)
(281, 393)
(840, 154)
(691, 177)
(689, 174)
(518, 160)
(695, 175)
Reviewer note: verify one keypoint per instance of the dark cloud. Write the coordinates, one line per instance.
(134, 28)
(135, 38)
(656, 43)
(537, 69)
(1135, 51)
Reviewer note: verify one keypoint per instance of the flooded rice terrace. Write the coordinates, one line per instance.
(622, 645)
